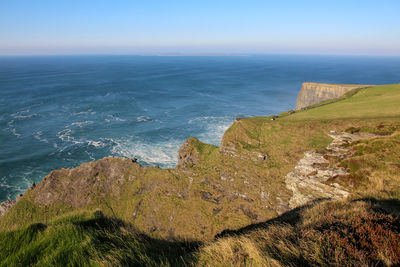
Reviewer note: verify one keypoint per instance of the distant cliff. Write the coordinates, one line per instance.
(312, 93)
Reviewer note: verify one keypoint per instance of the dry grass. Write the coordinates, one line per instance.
(374, 166)
(341, 233)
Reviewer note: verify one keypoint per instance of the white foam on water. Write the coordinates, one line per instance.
(97, 144)
(80, 124)
(143, 118)
(214, 126)
(12, 128)
(11, 188)
(163, 153)
(23, 114)
(83, 112)
(113, 118)
(38, 137)
(66, 135)
(90, 155)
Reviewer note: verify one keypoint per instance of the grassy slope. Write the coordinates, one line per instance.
(361, 231)
(283, 140)
(89, 240)
(375, 102)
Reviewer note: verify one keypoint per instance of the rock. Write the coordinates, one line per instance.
(6, 205)
(207, 196)
(312, 93)
(79, 186)
(189, 153)
(217, 210)
(310, 178)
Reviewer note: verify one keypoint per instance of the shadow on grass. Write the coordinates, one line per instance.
(387, 206)
(113, 242)
(292, 217)
(117, 242)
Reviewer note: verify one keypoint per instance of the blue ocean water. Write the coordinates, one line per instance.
(60, 111)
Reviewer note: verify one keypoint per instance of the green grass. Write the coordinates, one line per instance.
(373, 102)
(93, 241)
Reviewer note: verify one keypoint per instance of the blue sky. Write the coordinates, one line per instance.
(368, 27)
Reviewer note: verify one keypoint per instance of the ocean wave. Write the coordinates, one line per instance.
(97, 144)
(110, 118)
(38, 137)
(80, 124)
(23, 114)
(143, 118)
(65, 136)
(82, 112)
(12, 128)
(213, 128)
(13, 189)
(163, 154)
(90, 155)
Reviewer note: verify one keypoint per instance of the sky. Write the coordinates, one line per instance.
(348, 27)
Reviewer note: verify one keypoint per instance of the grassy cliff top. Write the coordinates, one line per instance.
(375, 102)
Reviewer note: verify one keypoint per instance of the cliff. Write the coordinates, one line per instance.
(312, 93)
(265, 170)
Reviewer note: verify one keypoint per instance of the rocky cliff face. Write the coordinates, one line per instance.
(312, 93)
(242, 182)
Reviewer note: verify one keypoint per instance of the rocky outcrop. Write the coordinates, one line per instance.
(80, 186)
(6, 205)
(189, 153)
(312, 93)
(313, 177)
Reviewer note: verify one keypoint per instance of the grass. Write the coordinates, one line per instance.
(374, 167)
(89, 241)
(373, 102)
(354, 232)
(329, 233)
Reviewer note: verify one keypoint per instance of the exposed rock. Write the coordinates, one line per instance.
(248, 212)
(312, 93)
(189, 154)
(77, 187)
(207, 196)
(310, 178)
(6, 205)
(217, 210)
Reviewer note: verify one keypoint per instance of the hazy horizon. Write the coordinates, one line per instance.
(200, 27)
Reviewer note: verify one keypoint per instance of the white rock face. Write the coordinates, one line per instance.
(310, 178)
(312, 93)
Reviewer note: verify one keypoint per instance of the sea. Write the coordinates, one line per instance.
(60, 111)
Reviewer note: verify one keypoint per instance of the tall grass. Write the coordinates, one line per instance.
(100, 241)
(340, 233)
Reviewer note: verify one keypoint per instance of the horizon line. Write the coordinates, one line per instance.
(178, 54)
